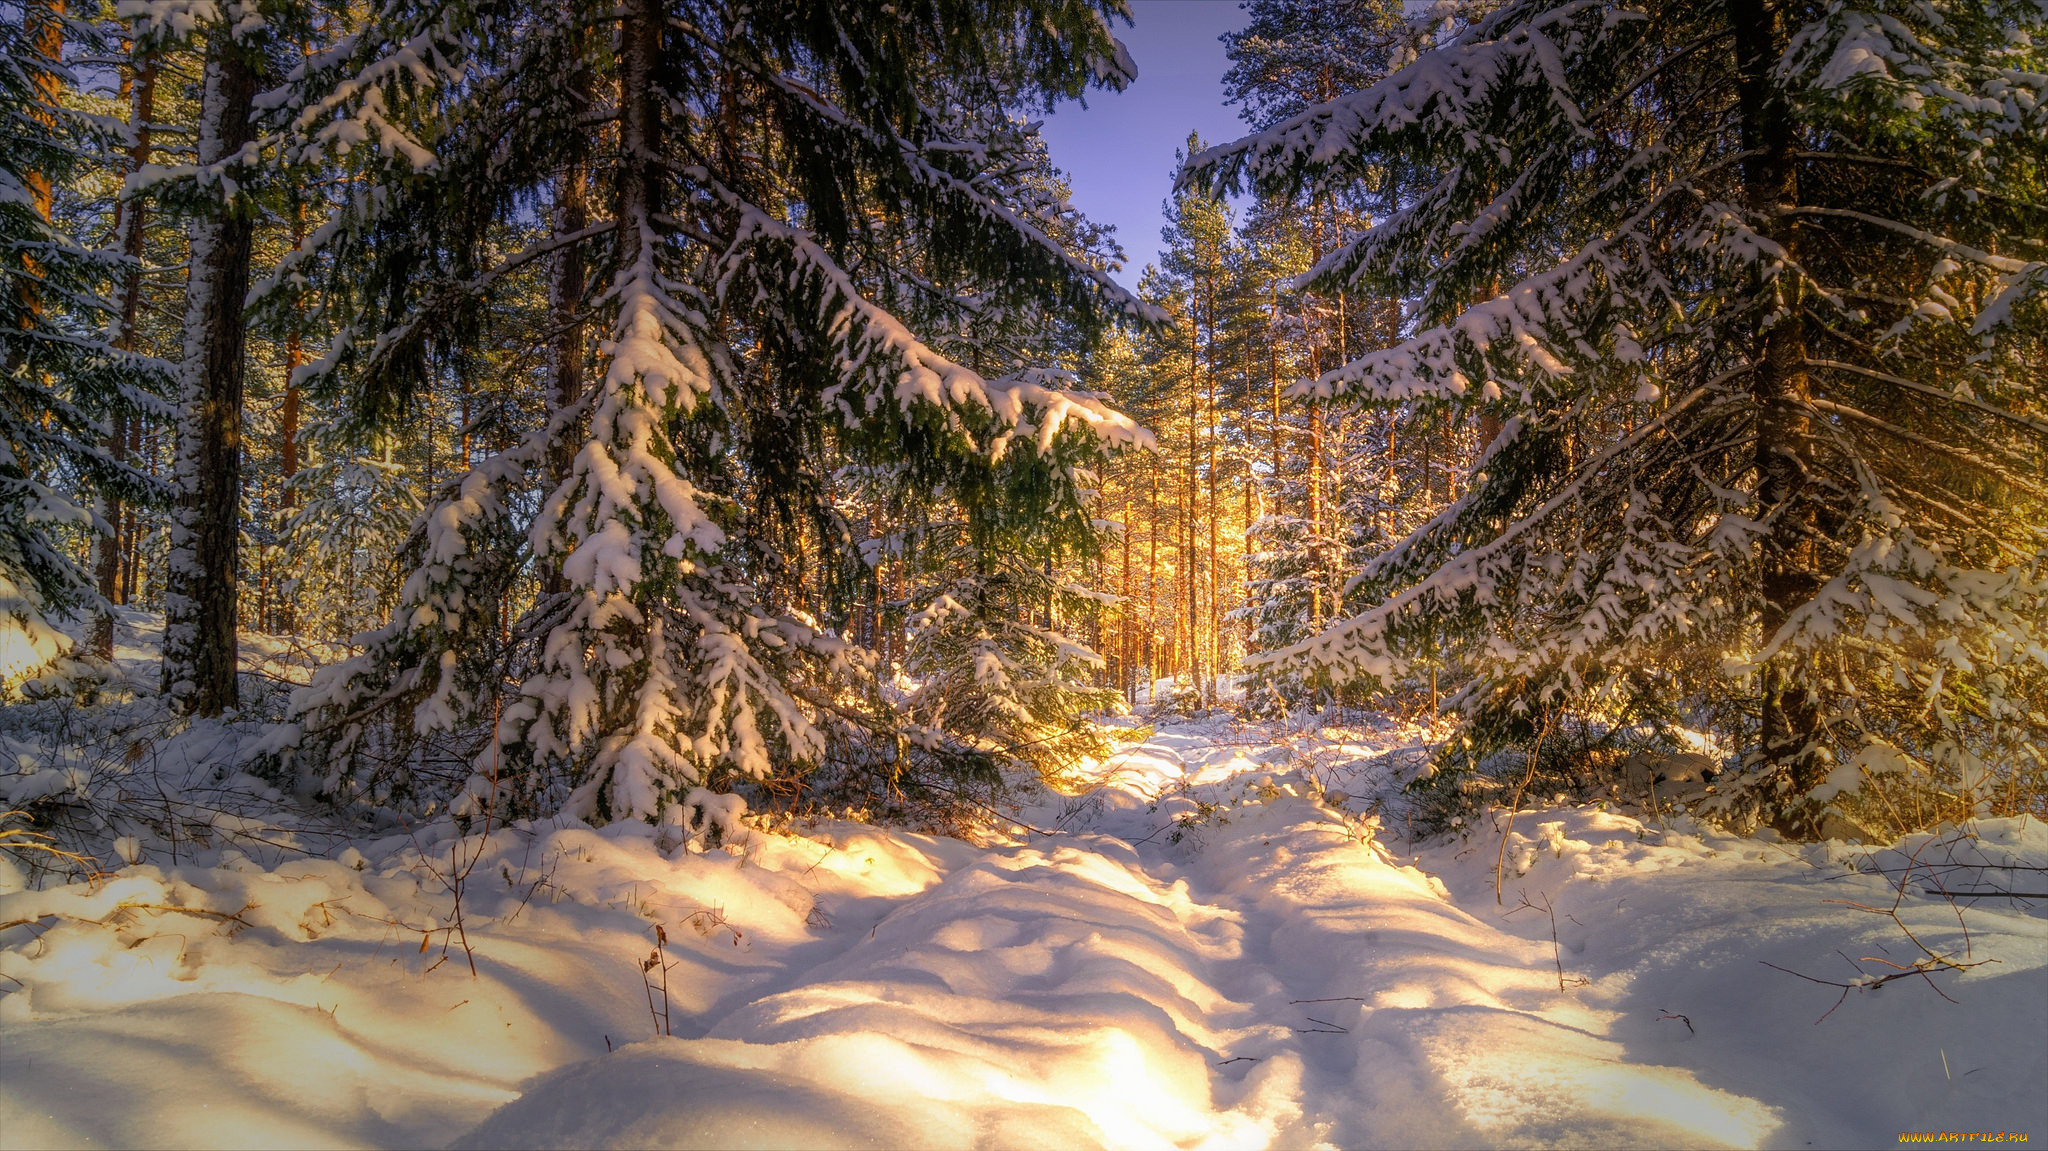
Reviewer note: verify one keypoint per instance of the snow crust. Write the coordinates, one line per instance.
(1211, 948)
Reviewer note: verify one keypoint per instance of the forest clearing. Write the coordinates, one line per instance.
(642, 574)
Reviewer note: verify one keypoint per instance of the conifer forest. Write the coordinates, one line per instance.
(641, 574)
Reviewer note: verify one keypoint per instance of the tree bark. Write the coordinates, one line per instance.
(283, 618)
(44, 24)
(1780, 390)
(1215, 572)
(199, 650)
(1192, 646)
(1123, 614)
(565, 298)
(130, 215)
(1152, 588)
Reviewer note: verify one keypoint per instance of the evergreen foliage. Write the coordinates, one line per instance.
(1758, 289)
(784, 194)
(59, 374)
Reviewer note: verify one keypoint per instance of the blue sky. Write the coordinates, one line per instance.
(1118, 152)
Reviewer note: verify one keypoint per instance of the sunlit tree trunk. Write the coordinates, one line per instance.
(129, 219)
(200, 626)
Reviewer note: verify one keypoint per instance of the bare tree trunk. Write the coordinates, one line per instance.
(1779, 388)
(1192, 606)
(1215, 572)
(129, 218)
(565, 298)
(284, 617)
(1123, 615)
(1315, 511)
(1152, 588)
(200, 626)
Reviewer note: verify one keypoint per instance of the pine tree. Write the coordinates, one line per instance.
(1294, 54)
(58, 374)
(1773, 434)
(1199, 270)
(780, 192)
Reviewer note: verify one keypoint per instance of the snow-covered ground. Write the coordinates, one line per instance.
(1210, 949)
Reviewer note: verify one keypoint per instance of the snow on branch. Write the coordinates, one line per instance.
(1523, 319)
(974, 200)
(1447, 88)
(1357, 645)
(864, 332)
(352, 111)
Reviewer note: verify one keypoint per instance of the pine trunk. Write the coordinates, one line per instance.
(1779, 388)
(1152, 588)
(129, 219)
(283, 619)
(43, 24)
(1215, 572)
(199, 599)
(565, 298)
(1191, 646)
(1123, 616)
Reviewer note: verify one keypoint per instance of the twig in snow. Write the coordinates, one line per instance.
(1556, 952)
(1682, 1019)
(456, 879)
(1500, 860)
(1924, 967)
(1861, 982)
(710, 919)
(234, 917)
(656, 960)
(1327, 1028)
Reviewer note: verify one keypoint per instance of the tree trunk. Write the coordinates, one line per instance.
(1215, 571)
(565, 298)
(1123, 615)
(199, 600)
(1152, 588)
(43, 22)
(1315, 512)
(283, 618)
(1191, 646)
(1779, 388)
(639, 128)
(1273, 375)
(129, 218)
(43, 26)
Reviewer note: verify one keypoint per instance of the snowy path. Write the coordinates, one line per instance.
(1206, 956)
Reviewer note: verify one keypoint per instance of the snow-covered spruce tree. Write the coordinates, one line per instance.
(1290, 55)
(996, 681)
(1294, 54)
(993, 683)
(771, 193)
(58, 373)
(1769, 354)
